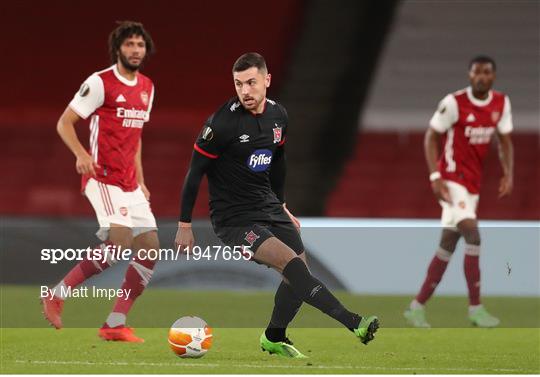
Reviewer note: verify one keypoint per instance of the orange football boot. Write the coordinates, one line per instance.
(119, 334)
(52, 310)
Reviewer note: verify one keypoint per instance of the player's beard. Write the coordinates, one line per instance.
(254, 104)
(127, 65)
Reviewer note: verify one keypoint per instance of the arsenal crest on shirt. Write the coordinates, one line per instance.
(277, 134)
(144, 98)
(495, 115)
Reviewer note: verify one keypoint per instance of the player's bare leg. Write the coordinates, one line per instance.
(478, 315)
(279, 256)
(52, 306)
(137, 276)
(449, 239)
(416, 314)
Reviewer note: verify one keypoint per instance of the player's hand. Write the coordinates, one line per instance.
(293, 219)
(184, 238)
(505, 186)
(145, 191)
(85, 165)
(441, 190)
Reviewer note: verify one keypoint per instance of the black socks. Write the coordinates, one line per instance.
(286, 305)
(315, 293)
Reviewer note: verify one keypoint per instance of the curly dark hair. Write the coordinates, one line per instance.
(124, 30)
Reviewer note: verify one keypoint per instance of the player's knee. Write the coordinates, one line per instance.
(472, 237)
(112, 251)
(448, 245)
(283, 260)
(123, 241)
(449, 240)
(302, 256)
(274, 253)
(147, 241)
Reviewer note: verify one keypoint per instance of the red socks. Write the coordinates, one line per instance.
(86, 269)
(471, 267)
(137, 277)
(437, 267)
(435, 273)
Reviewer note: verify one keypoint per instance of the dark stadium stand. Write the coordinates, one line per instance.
(387, 177)
(191, 71)
(192, 64)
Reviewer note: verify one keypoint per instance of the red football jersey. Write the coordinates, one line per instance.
(468, 124)
(118, 108)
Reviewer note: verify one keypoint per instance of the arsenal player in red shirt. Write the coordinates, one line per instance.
(118, 101)
(465, 123)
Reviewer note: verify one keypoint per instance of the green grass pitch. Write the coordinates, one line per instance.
(27, 345)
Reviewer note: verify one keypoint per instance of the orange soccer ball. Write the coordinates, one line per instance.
(190, 337)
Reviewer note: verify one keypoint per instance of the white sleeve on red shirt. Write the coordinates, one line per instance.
(150, 103)
(505, 124)
(89, 97)
(446, 114)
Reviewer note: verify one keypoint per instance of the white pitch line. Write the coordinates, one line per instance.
(216, 365)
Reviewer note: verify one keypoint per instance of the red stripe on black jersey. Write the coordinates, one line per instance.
(204, 153)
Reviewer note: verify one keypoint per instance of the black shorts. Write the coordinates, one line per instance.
(252, 234)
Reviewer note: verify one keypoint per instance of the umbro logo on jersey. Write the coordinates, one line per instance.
(471, 118)
(120, 98)
(244, 138)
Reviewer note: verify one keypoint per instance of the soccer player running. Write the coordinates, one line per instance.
(241, 150)
(119, 100)
(465, 122)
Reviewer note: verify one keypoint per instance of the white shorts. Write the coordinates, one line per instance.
(114, 206)
(463, 205)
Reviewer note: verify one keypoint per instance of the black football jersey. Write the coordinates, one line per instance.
(242, 146)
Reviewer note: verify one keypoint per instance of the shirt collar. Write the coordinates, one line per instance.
(122, 79)
(476, 101)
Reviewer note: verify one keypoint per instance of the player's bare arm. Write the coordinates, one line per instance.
(66, 129)
(184, 236)
(139, 171)
(506, 156)
(432, 140)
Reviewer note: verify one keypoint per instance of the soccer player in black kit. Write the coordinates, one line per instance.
(241, 150)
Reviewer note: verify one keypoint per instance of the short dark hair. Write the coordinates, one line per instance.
(249, 60)
(483, 59)
(123, 31)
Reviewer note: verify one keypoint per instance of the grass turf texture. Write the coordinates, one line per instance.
(28, 346)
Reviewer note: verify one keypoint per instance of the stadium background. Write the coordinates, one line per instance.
(360, 81)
